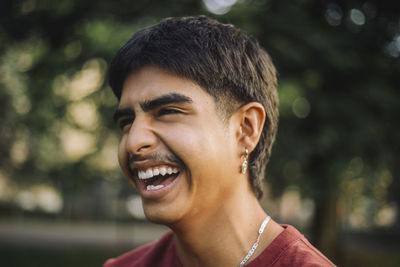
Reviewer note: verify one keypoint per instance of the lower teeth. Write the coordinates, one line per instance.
(154, 187)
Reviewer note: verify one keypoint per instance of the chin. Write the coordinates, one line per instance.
(162, 215)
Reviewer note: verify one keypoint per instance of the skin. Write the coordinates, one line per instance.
(210, 206)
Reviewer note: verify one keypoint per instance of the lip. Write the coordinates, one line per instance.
(140, 185)
(158, 193)
(145, 164)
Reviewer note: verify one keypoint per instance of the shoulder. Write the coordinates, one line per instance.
(291, 248)
(157, 253)
(300, 252)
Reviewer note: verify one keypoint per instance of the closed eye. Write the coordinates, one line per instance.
(124, 122)
(168, 111)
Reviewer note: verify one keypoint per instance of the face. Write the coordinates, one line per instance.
(175, 150)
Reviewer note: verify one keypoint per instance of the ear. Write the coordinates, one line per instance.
(252, 118)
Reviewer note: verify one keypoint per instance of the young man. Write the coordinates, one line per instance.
(198, 111)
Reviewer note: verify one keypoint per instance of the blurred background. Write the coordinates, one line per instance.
(334, 172)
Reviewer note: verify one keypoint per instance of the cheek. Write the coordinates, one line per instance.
(123, 161)
(186, 142)
(199, 148)
(122, 154)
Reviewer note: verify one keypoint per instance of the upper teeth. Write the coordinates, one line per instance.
(150, 173)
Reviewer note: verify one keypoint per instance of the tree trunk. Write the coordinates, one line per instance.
(325, 225)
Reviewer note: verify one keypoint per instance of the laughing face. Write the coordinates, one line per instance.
(175, 149)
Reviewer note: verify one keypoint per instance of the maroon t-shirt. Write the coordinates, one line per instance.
(290, 248)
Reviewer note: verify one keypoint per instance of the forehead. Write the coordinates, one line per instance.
(150, 82)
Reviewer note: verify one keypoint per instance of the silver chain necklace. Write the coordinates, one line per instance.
(255, 245)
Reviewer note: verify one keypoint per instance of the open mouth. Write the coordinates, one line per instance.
(156, 178)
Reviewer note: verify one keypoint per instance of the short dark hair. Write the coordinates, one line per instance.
(228, 64)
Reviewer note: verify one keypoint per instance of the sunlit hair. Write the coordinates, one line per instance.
(228, 64)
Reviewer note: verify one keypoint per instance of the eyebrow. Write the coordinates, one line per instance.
(148, 105)
(166, 99)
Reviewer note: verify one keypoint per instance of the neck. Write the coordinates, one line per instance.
(223, 236)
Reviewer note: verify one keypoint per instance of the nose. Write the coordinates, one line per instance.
(141, 137)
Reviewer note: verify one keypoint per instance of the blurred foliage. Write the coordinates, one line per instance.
(339, 65)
